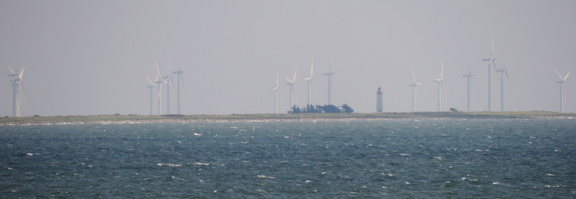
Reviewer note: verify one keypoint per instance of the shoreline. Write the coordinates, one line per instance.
(116, 118)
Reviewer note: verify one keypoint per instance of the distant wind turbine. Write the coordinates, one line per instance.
(562, 81)
(414, 86)
(168, 81)
(491, 62)
(310, 83)
(179, 82)
(439, 81)
(469, 78)
(16, 79)
(330, 81)
(159, 81)
(502, 71)
(275, 89)
(291, 83)
(151, 88)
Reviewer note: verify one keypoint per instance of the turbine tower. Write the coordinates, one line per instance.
(151, 89)
(414, 86)
(502, 71)
(275, 89)
(310, 83)
(469, 78)
(179, 82)
(439, 81)
(291, 83)
(16, 79)
(379, 101)
(562, 81)
(329, 75)
(491, 62)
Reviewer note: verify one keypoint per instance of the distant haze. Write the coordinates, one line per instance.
(92, 57)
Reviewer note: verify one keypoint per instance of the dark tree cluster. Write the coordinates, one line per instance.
(322, 109)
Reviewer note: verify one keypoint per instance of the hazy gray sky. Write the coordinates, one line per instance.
(91, 57)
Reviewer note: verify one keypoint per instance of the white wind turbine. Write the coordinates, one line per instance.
(159, 81)
(291, 83)
(151, 89)
(16, 79)
(168, 80)
(310, 83)
(414, 86)
(275, 89)
(562, 81)
(179, 81)
(502, 71)
(330, 81)
(491, 62)
(439, 81)
(469, 78)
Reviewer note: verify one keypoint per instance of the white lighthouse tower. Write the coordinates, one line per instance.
(379, 106)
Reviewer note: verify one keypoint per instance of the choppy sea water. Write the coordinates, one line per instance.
(430, 158)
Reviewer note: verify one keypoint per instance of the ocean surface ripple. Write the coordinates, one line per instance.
(429, 158)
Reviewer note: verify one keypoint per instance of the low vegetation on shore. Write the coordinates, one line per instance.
(171, 118)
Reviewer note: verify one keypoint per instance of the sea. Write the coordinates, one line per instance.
(323, 158)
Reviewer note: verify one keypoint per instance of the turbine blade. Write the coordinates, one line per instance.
(149, 81)
(558, 73)
(315, 91)
(11, 70)
(21, 75)
(566, 77)
(170, 64)
(492, 34)
(157, 69)
(312, 68)
(413, 76)
(494, 64)
(159, 97)
(277, 78)
(442, 70)
(180, 76)
(294, 78)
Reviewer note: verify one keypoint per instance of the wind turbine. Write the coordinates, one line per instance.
(291, 83)
(310, 83)
(275, 89)
(439, 81)
(491, 61)
(330, 80)
(159, 81)
(168, 80)
(469, 77)
(502, 71)
(179, 81)
(562, 81)
(16, 79)
(151, 88)
(414, 86)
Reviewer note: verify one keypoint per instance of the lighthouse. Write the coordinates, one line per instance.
(379, 107)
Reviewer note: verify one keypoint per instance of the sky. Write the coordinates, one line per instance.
(92, 57)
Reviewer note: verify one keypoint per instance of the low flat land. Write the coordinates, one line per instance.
(181, 118)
